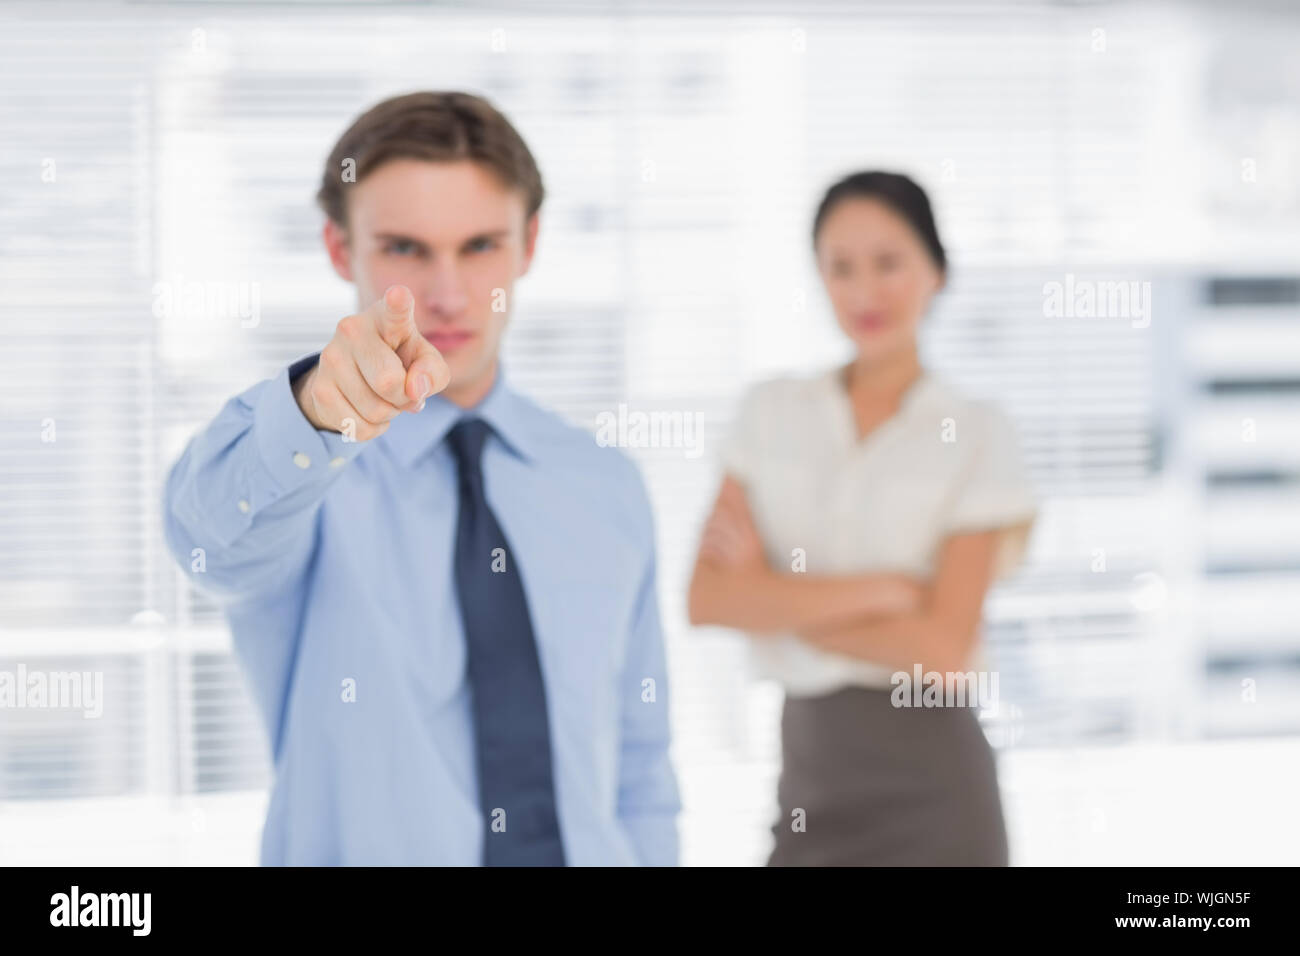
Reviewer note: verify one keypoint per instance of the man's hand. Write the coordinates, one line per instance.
(377, 365)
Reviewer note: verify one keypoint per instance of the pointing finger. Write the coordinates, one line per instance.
(428, 373)
(394, 315)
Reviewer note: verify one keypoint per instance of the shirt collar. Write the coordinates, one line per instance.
(924, 391)
(413, 434)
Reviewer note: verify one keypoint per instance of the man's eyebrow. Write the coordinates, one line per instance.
(494, 234)
(397, 236)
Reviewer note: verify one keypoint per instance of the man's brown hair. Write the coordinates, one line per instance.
(437, 126)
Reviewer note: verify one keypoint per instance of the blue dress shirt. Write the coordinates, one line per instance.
(333, 562)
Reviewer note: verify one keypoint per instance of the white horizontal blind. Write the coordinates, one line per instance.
(78, 451)
(1240, 440)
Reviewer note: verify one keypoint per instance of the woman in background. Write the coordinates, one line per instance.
(863, 514)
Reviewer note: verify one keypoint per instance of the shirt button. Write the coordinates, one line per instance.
(244, 505)
(301, 460)
(338, 462)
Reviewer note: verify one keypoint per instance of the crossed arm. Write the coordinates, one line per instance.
(888, 619)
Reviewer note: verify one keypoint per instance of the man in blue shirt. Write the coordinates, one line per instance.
(444, 598)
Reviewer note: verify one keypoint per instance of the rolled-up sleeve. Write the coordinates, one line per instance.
(995, 491)
(740, 449)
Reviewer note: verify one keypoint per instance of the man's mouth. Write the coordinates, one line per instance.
(448, 340)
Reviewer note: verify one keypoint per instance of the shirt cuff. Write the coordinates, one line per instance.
(293, 451)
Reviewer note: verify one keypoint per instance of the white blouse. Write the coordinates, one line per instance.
(941, 464)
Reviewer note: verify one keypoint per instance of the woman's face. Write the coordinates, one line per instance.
(878, 274)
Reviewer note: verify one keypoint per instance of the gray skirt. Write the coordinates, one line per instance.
(864, 783)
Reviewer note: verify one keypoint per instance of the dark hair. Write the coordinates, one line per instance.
(896, 191)
(438, 126)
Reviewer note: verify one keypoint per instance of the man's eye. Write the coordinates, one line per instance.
(482, 245)
(400, 246)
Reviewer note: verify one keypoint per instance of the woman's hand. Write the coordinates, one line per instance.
(905, 594)
(730, 539)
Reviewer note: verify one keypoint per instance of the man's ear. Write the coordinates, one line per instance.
(530, 241)
(336, 244)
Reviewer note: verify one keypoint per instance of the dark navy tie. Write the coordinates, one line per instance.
(512, 733)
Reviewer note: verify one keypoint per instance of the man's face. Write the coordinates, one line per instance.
(457, 238)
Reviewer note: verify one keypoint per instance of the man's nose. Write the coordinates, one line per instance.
(444, 291)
